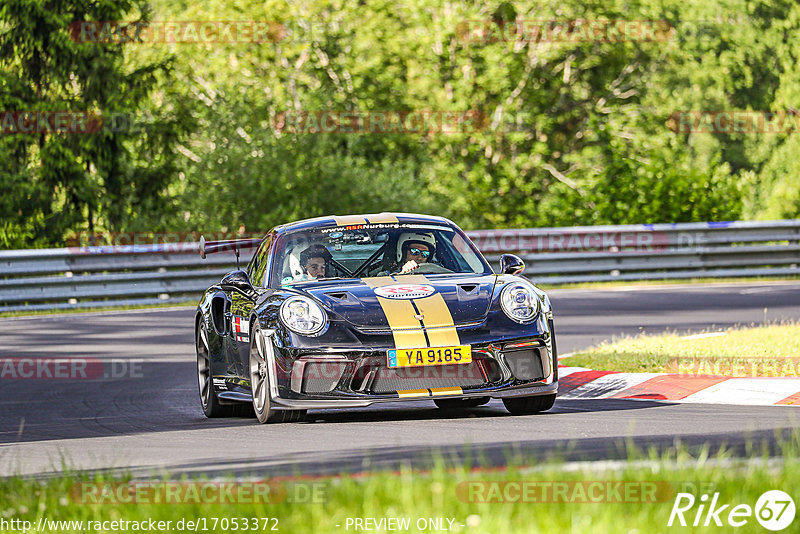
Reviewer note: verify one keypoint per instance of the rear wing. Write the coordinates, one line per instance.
(235, 245)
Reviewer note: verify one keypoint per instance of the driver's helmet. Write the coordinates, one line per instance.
(406, 240)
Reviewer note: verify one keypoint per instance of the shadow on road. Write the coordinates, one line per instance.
(162, 397)
(481, 456)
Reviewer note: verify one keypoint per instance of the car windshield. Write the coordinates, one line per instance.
(363, 251)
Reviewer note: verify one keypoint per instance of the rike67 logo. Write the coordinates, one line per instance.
(774, 510)
(405, 291)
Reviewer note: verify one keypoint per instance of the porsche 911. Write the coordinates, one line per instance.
(350, 311)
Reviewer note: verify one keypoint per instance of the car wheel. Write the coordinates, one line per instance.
(208, 398)
(259, 384)
(460, 404)
(529, 405)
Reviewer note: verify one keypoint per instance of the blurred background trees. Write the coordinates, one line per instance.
(577, 132)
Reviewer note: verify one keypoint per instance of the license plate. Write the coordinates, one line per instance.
(429, 356)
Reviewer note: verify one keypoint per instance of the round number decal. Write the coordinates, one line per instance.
(405, 291)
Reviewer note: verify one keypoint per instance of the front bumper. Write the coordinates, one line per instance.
(319, 379)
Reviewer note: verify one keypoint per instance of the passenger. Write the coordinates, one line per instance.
(314, 261)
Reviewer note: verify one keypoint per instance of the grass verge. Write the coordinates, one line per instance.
(771, 350)
(170, 304)
(637, 497)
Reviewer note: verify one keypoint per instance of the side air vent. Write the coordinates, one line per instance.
(219, 305)
(468, 288)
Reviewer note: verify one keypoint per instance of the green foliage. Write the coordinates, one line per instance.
(778, 194)
(575, 131)
(291, 178)
(61, 182)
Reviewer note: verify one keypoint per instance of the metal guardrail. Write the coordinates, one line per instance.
(141, 274)
(650, 251)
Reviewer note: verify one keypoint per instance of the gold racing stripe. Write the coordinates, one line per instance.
(437, 319)
(406, 329)
(378, 281)
(382, 218)
(411, 279)
(412, 393)
(446, 391)
(349, 219)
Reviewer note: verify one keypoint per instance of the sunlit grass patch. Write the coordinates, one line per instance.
(771, 350)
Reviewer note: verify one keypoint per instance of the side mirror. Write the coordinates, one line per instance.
(511, 264)
(237, 280)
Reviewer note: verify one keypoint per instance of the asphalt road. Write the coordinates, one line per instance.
(144, 415)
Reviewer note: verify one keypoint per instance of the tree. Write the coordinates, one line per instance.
(90, 178)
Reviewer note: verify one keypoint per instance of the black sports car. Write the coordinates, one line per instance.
(349, 311)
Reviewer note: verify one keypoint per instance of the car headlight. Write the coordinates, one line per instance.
(303, 316)
(519, 302)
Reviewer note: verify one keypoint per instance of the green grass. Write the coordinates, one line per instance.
(443, 493)
(770, 350)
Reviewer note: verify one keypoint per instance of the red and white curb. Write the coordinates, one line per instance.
(582, 383)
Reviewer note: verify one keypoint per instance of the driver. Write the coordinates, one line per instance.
(313, 260)
(414, 249)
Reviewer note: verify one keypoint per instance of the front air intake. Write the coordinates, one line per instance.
(388, 380)
(526, 362)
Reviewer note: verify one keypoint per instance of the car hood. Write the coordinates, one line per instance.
(466, 297)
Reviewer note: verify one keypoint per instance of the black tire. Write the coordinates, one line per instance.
(530, 405)
(460, 404)
(208, 398)
(259, 384)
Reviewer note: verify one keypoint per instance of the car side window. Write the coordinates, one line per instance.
(258, 265)
(251, 267)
